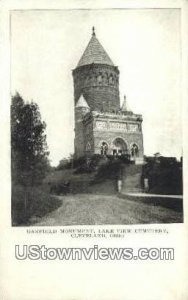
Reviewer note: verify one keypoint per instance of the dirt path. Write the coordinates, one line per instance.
(88, 209)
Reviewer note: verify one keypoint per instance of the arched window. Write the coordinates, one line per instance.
(134, 150)
(106, 77)
(104, 148)
(88, 146)
(99, 79)
(111, 79)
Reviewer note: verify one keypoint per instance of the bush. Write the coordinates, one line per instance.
(85, 165)
(31, 202)
(165, 176)
(109, 170)
(60, 188)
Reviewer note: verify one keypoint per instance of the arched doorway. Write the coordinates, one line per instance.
(119, 147)
(134, 150)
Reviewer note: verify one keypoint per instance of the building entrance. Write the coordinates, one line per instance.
(119, 147)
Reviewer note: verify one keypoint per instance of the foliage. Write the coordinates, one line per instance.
(60, 188)
(65, 163)
(29, 153)
(110, 169)
(29, 204)
(164, 175)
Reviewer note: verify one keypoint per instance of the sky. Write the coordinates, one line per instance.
(145, 44)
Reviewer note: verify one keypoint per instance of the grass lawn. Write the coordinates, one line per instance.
(89, 209)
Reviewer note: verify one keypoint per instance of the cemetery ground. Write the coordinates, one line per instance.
(99, 204)
(96, 209)
(90, 209)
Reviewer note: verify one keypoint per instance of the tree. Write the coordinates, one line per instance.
(29, 155)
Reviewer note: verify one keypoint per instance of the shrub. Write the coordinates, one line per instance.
(31, 202)
(60, 188)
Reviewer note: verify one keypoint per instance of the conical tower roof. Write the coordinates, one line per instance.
(94, 53)
(82, 102)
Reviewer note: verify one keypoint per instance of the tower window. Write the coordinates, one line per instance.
(99, 79)
(111, 79)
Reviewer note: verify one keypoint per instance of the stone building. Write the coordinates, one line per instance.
(102, 126)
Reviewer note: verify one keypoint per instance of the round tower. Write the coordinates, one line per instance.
(97, 79)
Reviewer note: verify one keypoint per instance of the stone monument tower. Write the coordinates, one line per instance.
(101, 125)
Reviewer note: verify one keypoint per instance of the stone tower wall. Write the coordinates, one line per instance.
(99, 85)
(79, 141)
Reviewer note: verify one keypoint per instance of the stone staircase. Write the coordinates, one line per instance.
(87, 183)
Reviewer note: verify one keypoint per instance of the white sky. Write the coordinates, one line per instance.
(143, 43)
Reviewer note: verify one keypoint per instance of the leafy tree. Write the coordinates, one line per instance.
(29, 153)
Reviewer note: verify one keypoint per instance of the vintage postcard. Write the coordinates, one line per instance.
(94, 153)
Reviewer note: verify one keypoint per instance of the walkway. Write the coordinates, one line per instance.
(89, 209)
(154, 195)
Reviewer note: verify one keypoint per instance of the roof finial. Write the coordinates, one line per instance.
(124, 105)
(93, 29)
